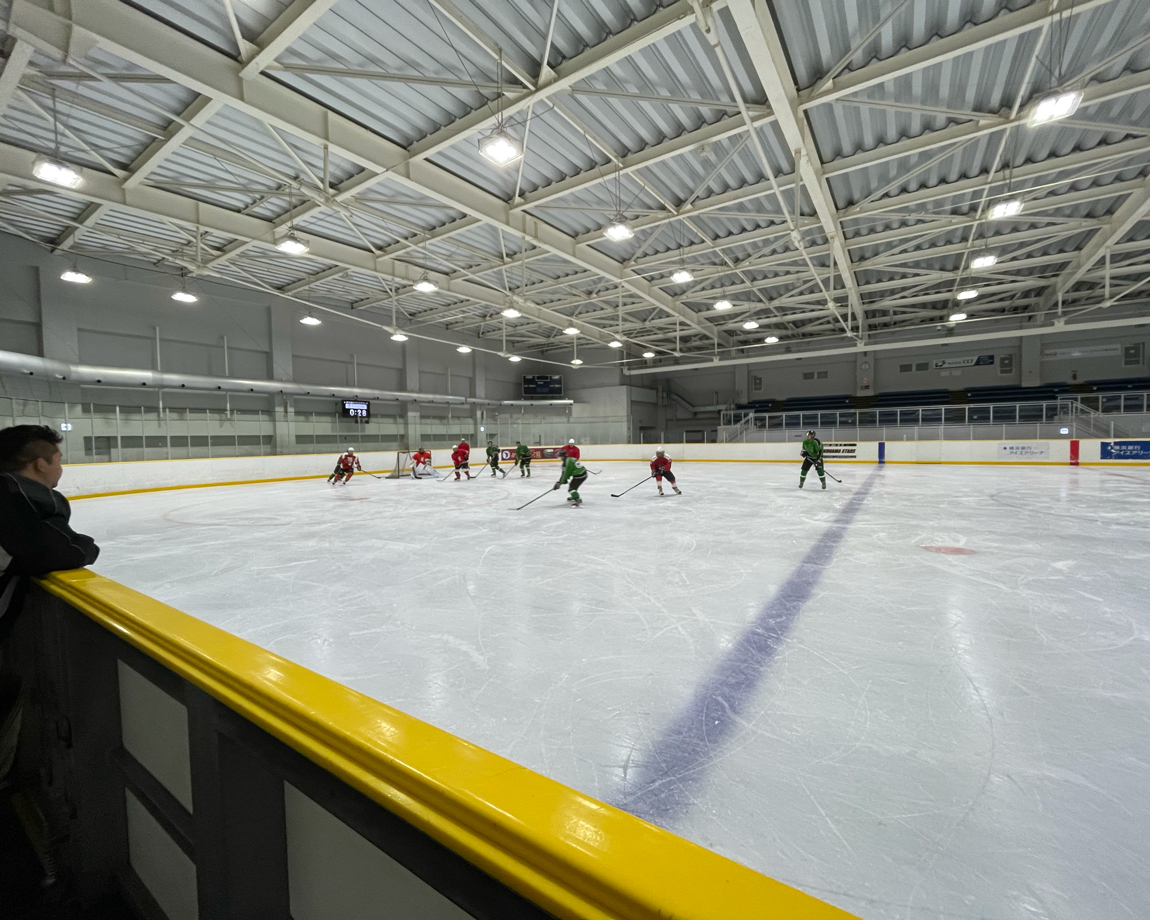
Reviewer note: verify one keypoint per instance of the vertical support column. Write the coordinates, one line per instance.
(479, 391)
(280, 330)
(864, 374)
(1031, 361)
(60, 338)
(411, 384)
(742, 386)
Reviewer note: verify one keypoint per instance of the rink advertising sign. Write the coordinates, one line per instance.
(1083, 351)
(1025, 450)
(1126, 450)
(973, 361)
(840, 451)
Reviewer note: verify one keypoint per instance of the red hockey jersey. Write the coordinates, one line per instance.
(660, 464)
(350, 462)
(465, 448)
(459, 455)
(423, 456)
(572, 451)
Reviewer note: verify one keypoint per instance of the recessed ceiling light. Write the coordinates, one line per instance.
(986, 261)
(614, 343)
(1003, 209)
(957, 317)
(57, 172)
(75, 276)
(750, 324)
(310, 320)
(515, 359)
(463, 350)
(500, 148)
(968, 294)
(1055, 107)
(292, 245)
(426, 286)
(398, 337)
(185, 297)
(576, 361)
(723, 304)
(512, 313)
(648, 354)
(618, 230)
(682, 276)
(771, 339)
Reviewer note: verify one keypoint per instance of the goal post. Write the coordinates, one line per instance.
(402, 465)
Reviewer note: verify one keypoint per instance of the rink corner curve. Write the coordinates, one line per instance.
(573, 856)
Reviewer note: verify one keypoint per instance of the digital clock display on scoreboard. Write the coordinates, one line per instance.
(543, 385)
(355, 408)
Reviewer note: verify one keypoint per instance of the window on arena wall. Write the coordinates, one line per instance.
(905, 368)
(922, 366)
(822, 375)
(808, 375)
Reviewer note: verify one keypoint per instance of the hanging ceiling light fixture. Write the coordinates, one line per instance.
(723, 304)
(750, 324)
(515, 359)
(771, 339)
(291, 244)
(512, 313)
(618, 230)
(75, 276)
(571, 330)
(398, 337)
(463, 350)
(499, 147)
(185, 296)
(425, 285)
(957, 317)
(614, 343)
(53, 169)
(648, 354)
(1005, 209)
(310, 320)
(981, 263)
(968, 294)
(1054, 108)
(682, 276)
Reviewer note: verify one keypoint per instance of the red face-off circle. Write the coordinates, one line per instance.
(951, 550)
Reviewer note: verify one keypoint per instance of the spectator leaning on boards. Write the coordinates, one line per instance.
(35, 537)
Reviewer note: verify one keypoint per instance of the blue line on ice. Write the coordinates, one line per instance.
(659, 791)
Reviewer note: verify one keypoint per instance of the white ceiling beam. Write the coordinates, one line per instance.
(998, 29)
(157, 47)
(1135, 209)
(19, 55)
(287, 27)
(768, 57)
(89, 218)
(178, 133)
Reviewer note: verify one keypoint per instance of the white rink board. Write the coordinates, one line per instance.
(98, 478)
(954, 734)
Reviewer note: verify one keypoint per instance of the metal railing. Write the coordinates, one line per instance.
(1085, 416)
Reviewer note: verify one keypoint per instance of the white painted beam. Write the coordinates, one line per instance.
(287, 27)
(19, 55)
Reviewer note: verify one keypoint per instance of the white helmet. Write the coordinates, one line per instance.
(570, 440)
(659, 450)
(351, 450)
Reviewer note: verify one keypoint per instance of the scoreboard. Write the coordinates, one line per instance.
(542, 384)
(355, 408)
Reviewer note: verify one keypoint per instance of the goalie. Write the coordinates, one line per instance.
(421, 467)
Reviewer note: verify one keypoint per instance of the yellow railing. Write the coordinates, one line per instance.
(572, 855)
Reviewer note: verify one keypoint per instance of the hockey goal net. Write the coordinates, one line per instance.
(402, 465)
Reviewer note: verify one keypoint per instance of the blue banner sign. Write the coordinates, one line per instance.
(1126, 450)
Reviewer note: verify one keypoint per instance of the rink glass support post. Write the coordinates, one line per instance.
(882, 451)
(1074, 447)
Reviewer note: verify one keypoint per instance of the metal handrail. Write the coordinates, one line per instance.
(1028, 411)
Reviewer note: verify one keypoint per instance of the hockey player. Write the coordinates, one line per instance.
(661, 467)
(421, 467)
(572, 472)
(812, 456)
(493, 459)
(523, 459)
(572, 449)
(345, 466)
(459, 457)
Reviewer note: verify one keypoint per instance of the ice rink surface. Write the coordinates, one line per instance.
(923, 693)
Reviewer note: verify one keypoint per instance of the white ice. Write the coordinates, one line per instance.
(938, 736)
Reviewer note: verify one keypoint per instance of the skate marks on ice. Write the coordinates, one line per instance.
(659, 790)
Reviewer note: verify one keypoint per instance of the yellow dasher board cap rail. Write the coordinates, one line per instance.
(572, 855)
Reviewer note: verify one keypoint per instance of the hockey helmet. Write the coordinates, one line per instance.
(351, 450)
(811, 433)
(570, 440)
(659, 450)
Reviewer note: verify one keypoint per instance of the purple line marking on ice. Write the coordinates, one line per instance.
(660, 788)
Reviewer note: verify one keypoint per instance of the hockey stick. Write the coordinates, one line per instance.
(536, 498)
(635, 486)
(832, 475)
